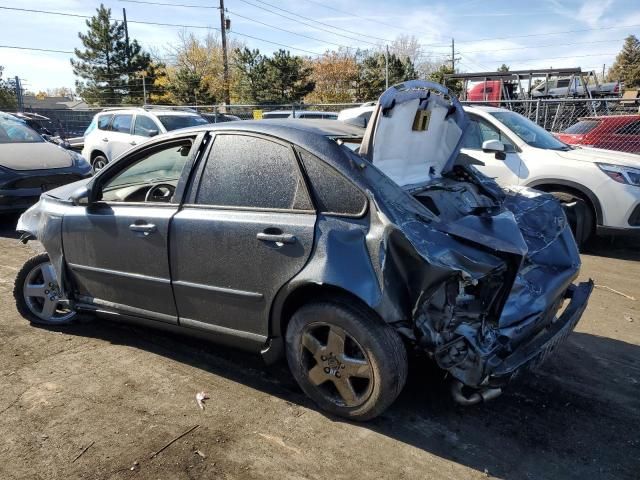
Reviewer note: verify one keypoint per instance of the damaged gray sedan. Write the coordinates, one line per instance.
(278, 238)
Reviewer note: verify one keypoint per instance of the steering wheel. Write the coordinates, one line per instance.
(161, 192)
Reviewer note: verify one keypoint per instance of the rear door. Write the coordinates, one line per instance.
(245, 230)
(507, 170)
(144, 127)
(119, 138)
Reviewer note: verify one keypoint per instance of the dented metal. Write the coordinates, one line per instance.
(477, 278)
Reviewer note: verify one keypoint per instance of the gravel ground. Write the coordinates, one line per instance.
(115, 395)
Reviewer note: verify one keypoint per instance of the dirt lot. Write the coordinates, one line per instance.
(126, 392)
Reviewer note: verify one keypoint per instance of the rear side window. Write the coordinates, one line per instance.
(582, 127)
(121, 123)
(632, 128)
(144, 126)
(252, 172)
(103, 122)
(332, 192)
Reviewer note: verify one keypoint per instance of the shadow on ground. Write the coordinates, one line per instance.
(579, 417)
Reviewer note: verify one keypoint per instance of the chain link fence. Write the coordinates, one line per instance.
(603, 123)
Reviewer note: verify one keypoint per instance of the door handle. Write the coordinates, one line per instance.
(144, 228)
(277, 238)
(105, 139)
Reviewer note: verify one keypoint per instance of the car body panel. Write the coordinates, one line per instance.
(466, 272)
(607, 132)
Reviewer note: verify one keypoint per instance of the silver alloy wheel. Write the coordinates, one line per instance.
(337, 361)
(99, 163)
(42, 295)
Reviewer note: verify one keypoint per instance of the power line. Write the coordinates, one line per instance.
(48, 12)
(315, 21)
(35, 49)
(354, 15)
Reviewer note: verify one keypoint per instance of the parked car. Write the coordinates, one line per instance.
(29, 165)
(572, 87)
(599, 188)
(310, 114)
(613, 132)
(116, 130)
(215, 231)
(358, 116)
(219, 117)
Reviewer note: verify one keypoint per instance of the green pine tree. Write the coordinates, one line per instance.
(8, 100)
(373, 77)
(111, 74)
(251, 68)
(288, 78)
(627, 64)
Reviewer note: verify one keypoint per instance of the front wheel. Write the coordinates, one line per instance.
(98, 163)
(579, 215)
(37, 293)
(346, 360)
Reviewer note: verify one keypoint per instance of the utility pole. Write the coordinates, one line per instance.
(126, 37)
(19, 97)
(453, 56)
(223, 29)
(386, 68)
(603, 65)
(144, 89)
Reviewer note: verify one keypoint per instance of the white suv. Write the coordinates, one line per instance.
(115, 130)
(599, 188)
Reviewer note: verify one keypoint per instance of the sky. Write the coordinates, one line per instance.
(487, 33)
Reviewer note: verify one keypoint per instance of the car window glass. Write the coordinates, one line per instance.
(480, 131)
(332, 192)
(103, 122)
(15, 131)
(564, 83)
(583, 126)
(252, 172)
(632, 128)
(162, 166)
(121, 123)
(174, 122)
(144, 126)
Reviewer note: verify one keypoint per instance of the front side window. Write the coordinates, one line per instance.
(480, 131)
(251, 172)
(15, 131)
(103, 122)
(121, 123)
(145, 126)
(152, 178)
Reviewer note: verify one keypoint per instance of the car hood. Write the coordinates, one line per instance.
(415, 132)
(34, 156)
(587, 154)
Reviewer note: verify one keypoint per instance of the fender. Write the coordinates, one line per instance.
(576, 186)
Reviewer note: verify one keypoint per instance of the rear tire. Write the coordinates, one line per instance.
(579, 214)
(345, 359)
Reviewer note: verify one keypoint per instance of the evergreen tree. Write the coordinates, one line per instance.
(627, 64)
(8, 100)
(438, 76)
(373, 77)
(288, 78)
(503, 68)
(111, 71)
(251, 69)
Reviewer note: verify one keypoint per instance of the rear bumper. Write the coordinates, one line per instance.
(533, 353)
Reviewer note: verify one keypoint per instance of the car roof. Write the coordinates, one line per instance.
(152, 111)
(484, 108)
(319, 112)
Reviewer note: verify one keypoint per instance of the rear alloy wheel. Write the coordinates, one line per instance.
(579, 215)
(37, 294)
(349, 363)
(98, 163)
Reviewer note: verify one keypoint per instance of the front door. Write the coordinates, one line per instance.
(116, 248)
(244, 232)
(506, 171)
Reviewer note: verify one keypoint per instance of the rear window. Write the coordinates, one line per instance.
(332, 192)
(174, 122)
(582, 127)
(276, 115)
(122, 123)
(632, 128)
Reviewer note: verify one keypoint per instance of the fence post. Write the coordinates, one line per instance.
(537, 110)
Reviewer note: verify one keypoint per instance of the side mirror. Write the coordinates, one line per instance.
(494, 146)
(80, 196)
(153, 132)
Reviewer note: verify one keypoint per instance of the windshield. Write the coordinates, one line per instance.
(14, 131)
(583, 126)
(174, 122)
(528, 131)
